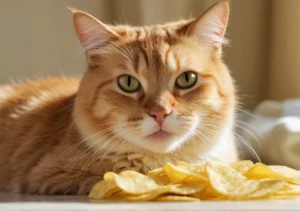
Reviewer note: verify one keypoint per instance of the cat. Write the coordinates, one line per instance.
(150, 95)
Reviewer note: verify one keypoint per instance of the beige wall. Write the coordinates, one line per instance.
(284, 75)
(248, 54)
(37, 37)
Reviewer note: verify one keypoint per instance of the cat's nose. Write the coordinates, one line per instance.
(160, 115)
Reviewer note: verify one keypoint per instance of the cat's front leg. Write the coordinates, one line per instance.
(65, 183)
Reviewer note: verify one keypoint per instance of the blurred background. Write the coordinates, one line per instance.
(38, 39)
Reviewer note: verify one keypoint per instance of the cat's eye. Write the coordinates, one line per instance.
(186, 80)
(128, 83)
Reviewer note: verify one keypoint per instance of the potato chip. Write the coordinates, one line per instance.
(177, 198)
(266, 188)
(289, 189)
(204, 194)
(180, 189)
(132, 182)
(241, 180)
(161, 179)
(242, 166)
(260, 171)
(289, 174)
(211, 192)
(196, 168)
(156, 171)
(283, 197)
(181, 163)
(103, 189)
(179, 174)
(229, 182)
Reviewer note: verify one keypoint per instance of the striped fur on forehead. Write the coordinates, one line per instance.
(150, 43)
(155, 57)
(168, 31)
(151, 52)
(138, 44)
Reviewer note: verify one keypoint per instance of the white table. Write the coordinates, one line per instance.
(74, 203)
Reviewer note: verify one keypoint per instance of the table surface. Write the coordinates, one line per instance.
(10, 201)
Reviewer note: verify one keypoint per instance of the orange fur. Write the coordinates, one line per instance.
(61, 135)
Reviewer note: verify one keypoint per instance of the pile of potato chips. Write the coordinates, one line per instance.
(242, 180)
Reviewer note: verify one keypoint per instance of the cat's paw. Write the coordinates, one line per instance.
(87, 184)
(64, 184)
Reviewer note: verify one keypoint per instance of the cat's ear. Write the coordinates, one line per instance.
(91, 32)
(210, 27)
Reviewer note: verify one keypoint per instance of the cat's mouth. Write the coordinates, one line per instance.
(160, 135)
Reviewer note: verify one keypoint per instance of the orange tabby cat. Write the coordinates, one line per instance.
(150, 95)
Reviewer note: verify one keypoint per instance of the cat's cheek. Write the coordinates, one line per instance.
(101, 108)
(191, 129)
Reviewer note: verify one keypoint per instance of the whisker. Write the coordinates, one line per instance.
(252, 126)
(69, 150)
(116, 140)
(130, 52)
(251, 149)
(254, 137)
(89, 148)
(119, 50)
(248, 131)
(245, 112)
(244, 141)
(207, 128)
(94, 155)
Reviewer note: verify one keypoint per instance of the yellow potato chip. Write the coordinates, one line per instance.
(242, 166)
(181, 163)
(202, 195)
(179, 174)
(216, 198)
(161, 179)
(289, 189)
(260, 171)
(283, 197)
(196, 168)
(147, 196)
(180, 189)
(266, 188)
(103, 189)
(156, 171)
(241, 180)
(208, 193)
(289, 174)
(177, 198)
(132, 182)
(229, 182)
(211, 192)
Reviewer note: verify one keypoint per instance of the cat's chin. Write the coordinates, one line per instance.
(160, 136)
(160, 142)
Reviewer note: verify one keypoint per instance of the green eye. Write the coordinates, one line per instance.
(128, 83)
(186, 80)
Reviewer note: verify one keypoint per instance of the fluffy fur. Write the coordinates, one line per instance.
(60, 135)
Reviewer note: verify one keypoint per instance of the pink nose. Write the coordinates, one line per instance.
(160, 115)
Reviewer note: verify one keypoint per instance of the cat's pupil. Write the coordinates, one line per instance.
(128, 81)
(186, 77)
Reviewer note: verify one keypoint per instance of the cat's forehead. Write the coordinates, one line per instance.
(152, 47)
(157, 51)
(154, 52)
(167, 32)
